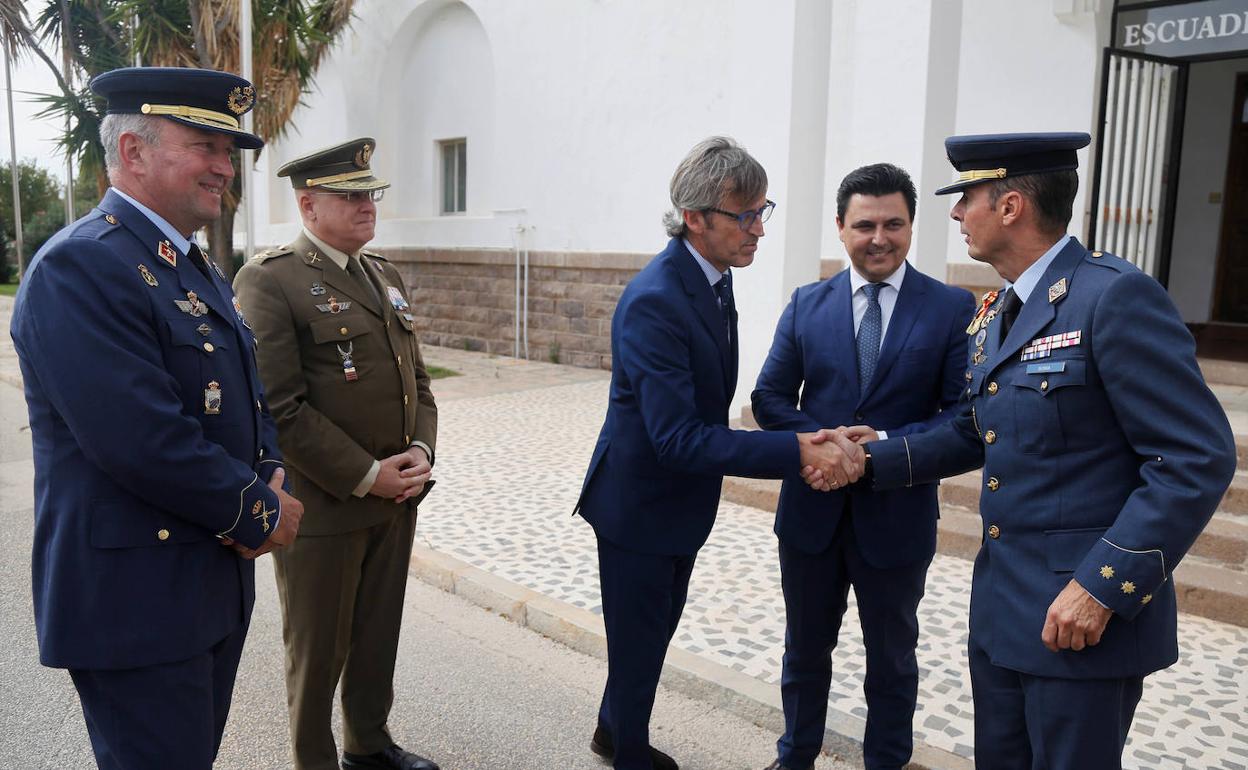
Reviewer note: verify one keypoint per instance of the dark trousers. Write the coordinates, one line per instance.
(816, 588)
(1025, 722)
(643, 596)
(342, 607)
(163, 716)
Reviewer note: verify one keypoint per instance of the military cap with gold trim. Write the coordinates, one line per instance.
(204, 99)
(341, 168)
(985, 157)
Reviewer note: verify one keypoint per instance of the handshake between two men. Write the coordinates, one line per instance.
(833, 459)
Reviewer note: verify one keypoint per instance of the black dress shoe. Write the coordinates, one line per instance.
(777, 766)
(393, 758)
(602, 745)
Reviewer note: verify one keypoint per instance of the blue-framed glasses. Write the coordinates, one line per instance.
(745, 220)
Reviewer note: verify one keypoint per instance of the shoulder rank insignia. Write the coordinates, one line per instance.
(166, 252)
(148, 278)
(985, 303)
(1057, 291)
(191, 305)
(333, 306)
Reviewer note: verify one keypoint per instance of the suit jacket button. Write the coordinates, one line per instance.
(993, 483)
(163, 534)
(858, 416)
(994, 531)
(990, 437)
(992, 388)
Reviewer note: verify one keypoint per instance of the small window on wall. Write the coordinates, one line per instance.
(454, 175)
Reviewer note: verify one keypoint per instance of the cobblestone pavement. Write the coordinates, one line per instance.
(514, 440)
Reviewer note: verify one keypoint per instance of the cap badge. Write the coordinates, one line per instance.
(240, 99)
(362, 157)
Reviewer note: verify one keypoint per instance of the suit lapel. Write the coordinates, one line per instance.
(707, 308)
(1038, 311)
(900, 323)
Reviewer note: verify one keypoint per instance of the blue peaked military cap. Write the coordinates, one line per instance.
(984, 157)
(203, 99)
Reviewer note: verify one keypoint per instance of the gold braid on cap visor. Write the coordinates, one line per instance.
(193, 113)
(991, 173)
(338, 178)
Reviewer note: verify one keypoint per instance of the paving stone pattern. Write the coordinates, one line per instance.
(511, 457)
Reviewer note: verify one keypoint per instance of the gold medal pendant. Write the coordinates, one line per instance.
(212, 398)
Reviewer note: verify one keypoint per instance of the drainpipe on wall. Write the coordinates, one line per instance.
(521, 313)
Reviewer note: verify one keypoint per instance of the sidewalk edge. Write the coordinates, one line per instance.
(685, 672)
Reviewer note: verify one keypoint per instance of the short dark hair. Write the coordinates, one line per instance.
(877, 180)
(1052, 193)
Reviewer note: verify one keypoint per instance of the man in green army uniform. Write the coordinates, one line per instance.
(346, 383)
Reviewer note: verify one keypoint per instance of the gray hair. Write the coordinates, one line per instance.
(146, 127)
(716, 167)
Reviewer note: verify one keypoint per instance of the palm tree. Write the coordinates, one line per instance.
(290, 39)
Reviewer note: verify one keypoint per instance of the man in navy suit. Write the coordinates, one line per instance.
(652, 488)
(157, 477)
(878, 344)
(1104, 455)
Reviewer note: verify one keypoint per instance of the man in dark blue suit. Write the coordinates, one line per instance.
(1104, 455)
(652, 488)
(157, 477)
(878, 344)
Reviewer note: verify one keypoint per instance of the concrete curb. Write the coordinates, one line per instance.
(685, 672)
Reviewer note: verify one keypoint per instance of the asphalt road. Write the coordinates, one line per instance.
(473, 691)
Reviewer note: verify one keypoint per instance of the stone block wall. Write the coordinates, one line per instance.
(466, 298)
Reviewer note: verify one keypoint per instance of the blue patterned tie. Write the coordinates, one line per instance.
(723, 290)
(869, 332)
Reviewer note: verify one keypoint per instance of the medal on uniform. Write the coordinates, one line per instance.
(980, 337)
(348, 364)
(333, 306)
(204, 329)
(148, 278)
(165, 251)
(212, 398)
(979, 320)
(317, 289)
(238, 311)
(191, 305)
(396, 298)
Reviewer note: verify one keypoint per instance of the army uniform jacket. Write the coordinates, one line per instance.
(151, 437)
(1104, 456)
(309, 315)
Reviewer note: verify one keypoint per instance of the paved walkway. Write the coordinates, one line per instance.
(514, 440)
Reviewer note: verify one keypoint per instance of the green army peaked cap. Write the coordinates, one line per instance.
(341, 168)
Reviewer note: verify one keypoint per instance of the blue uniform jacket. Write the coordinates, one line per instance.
(134, 476)
(1104, 456)
(654, 479)
(919, 374)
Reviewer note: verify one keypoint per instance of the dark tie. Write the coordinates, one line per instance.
(723, 290)
(199, 260)
(1009, 311)
(869, 332)
(356, 271)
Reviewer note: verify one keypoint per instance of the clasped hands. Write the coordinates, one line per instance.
(402, 475)
(833, 459)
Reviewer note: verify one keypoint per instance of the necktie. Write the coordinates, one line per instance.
(869, 332)
(723, 290)
(1010, 307)
(356, 271)
(199, 260)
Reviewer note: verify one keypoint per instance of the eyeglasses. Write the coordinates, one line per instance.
(356, 196)
(745, 220)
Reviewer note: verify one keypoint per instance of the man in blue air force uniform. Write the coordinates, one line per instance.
(1104, 455)
(883, 344)
(157, 478)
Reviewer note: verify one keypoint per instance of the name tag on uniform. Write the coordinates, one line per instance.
(1046, 368)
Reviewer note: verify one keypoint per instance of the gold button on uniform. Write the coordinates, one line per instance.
(163, 534)
(994, 531)
(407, 440)
(1044, 384)
(1098, 254)
(404, 399)
(990, 437)
(343, 331)
(992, 388)
(993, 483)
(399, 359)
(208, 346)
(258, 407)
